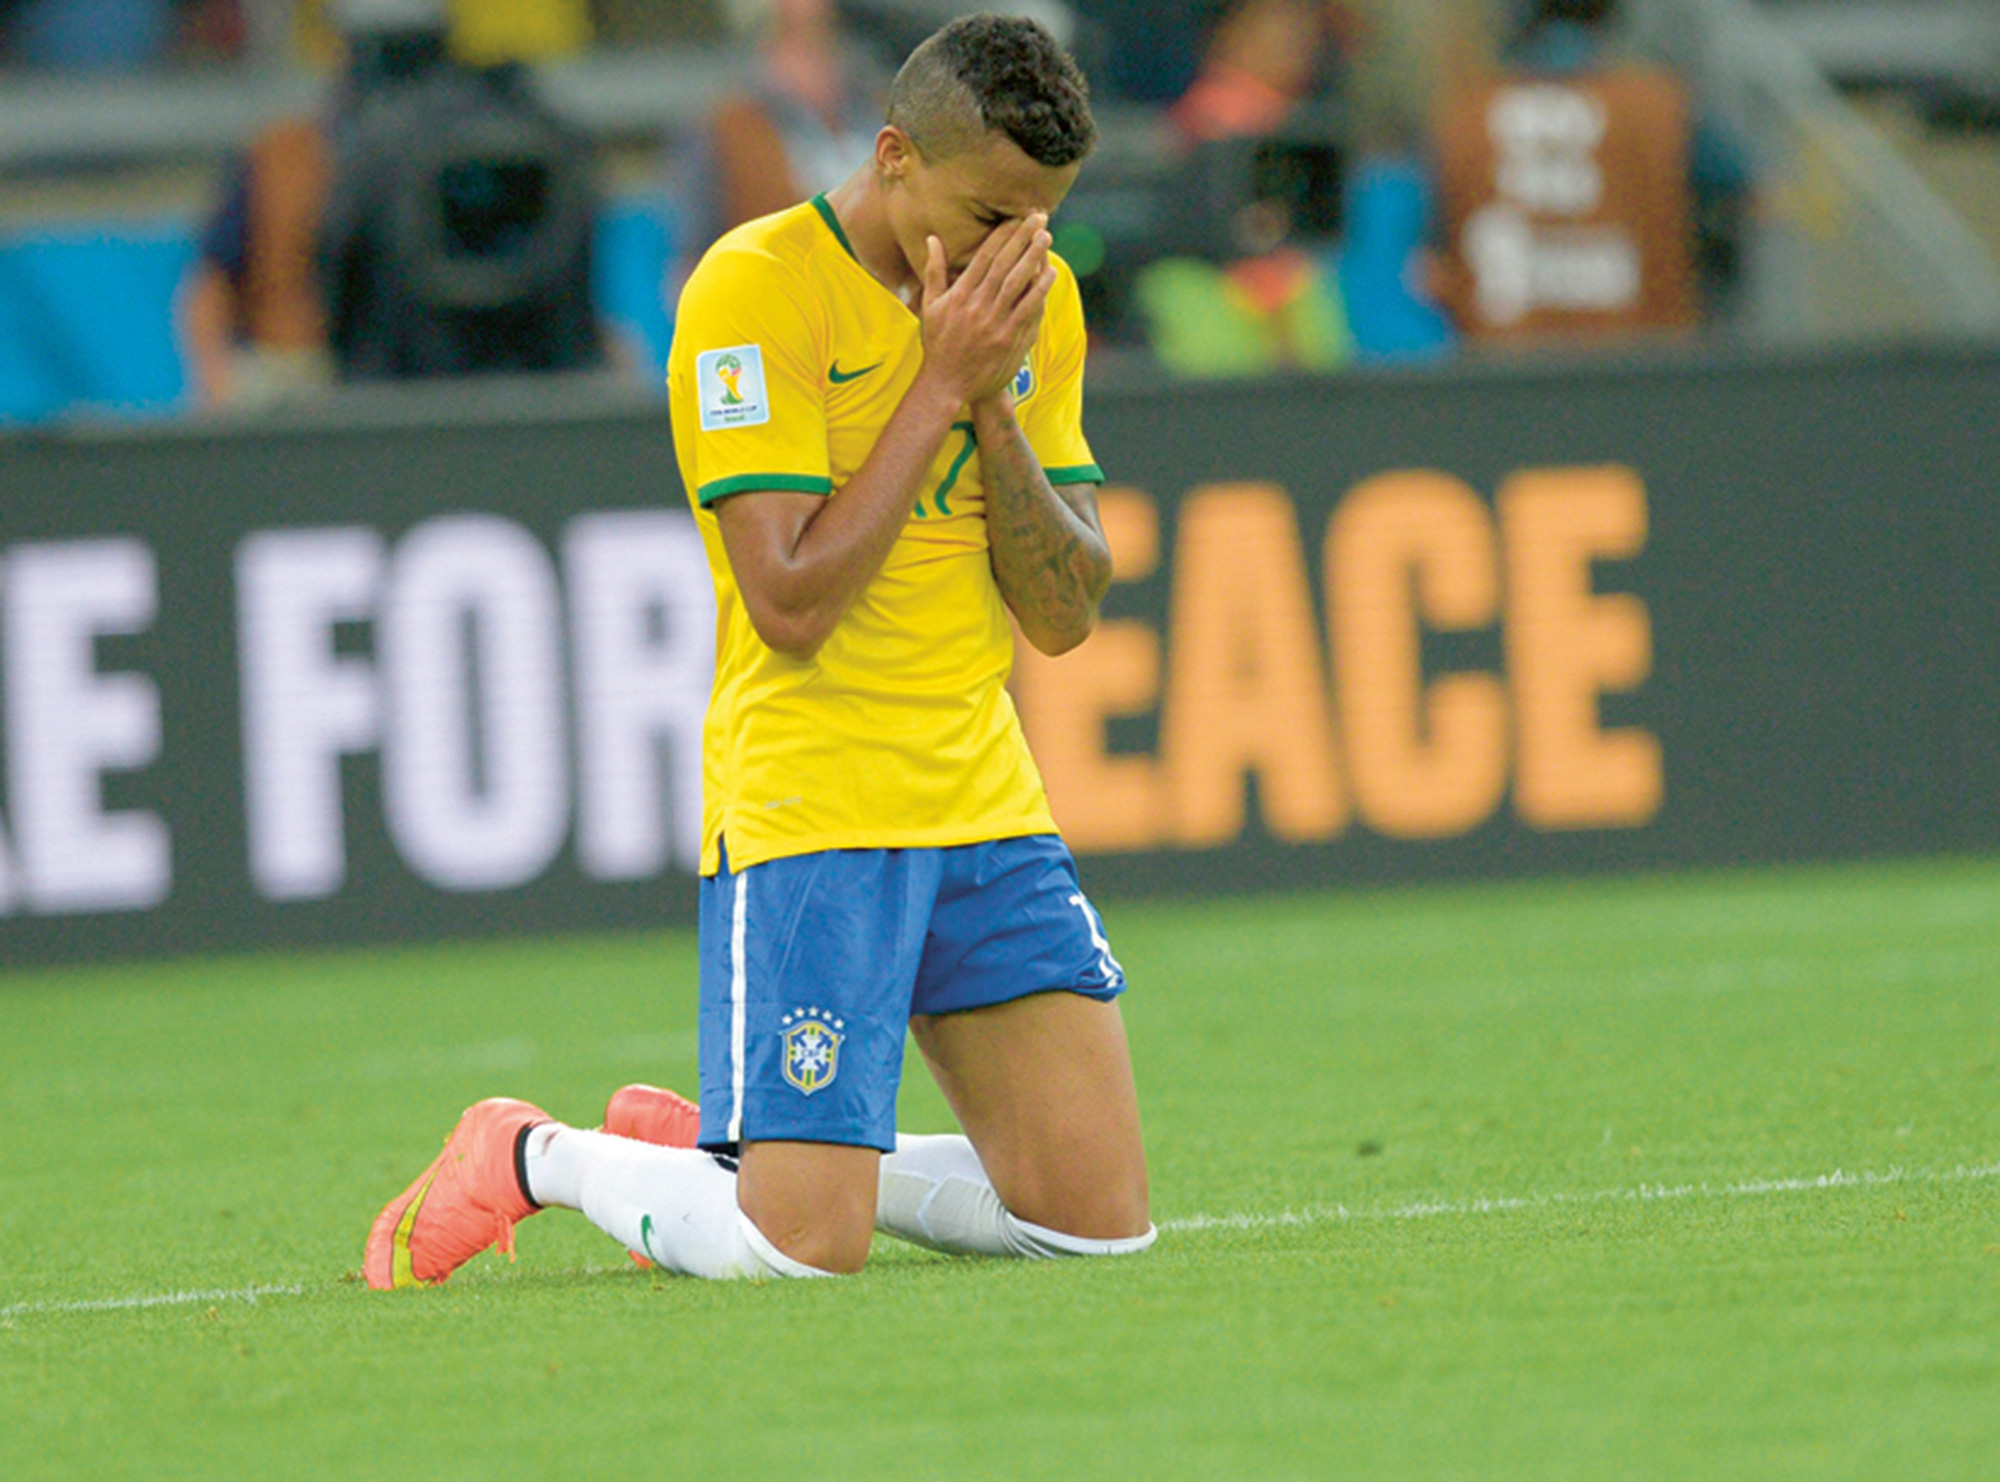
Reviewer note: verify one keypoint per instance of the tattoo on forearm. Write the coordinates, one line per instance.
(1048, 554)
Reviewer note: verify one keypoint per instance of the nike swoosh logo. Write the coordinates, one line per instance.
(840, 377)
(646, 1236)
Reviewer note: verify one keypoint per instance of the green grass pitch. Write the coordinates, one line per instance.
(1680, 1177)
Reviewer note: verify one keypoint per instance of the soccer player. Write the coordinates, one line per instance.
(876, 403)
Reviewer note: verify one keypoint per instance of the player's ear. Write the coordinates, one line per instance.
(895, 155)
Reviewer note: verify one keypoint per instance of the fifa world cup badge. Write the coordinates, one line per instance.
(731, 387)
(812, 1048)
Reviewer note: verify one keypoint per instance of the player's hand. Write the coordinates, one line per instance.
(979, 329)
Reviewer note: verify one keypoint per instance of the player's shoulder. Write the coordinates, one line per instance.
(771, 257)
(1066, 284)
(1063, 318)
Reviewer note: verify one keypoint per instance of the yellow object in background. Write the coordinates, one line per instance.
(486, 33)
(313, 36)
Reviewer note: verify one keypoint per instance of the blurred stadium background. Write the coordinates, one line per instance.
(348, 660)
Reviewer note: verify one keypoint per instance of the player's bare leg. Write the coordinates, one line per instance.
(1043, 1088)
(814, 1201)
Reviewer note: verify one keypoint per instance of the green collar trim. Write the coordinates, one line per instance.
(825, 209)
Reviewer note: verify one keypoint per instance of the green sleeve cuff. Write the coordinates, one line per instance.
(745, 483)
(1079, 473)
(1075, 475)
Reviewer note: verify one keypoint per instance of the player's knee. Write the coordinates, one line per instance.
(830, 1247)
(826, 1237)
(1024, 1238)
(1120, 1213)
(1100, 1204)
(814, 1203)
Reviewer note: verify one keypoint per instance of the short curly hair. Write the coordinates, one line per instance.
(991, 73)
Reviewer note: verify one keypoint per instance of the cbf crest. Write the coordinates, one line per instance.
(812, 1048)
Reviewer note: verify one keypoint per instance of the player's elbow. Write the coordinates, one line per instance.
(1057, 644)
(1057, 616)
(1057, 639)
(798, 636)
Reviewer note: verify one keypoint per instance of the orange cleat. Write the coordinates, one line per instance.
(653, 1115)
(469, 1198)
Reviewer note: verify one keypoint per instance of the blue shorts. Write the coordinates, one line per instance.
(812, 966)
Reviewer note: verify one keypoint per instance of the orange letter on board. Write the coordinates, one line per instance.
(1247, 691)
(1408, 549)
(1566, 646)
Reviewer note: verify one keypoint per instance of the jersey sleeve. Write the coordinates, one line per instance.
(746, 381)
(1051, 413)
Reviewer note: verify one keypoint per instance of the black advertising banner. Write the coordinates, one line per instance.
(375, 681)
(433, 665)
(1540, 620)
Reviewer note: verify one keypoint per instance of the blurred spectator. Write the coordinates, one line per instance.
(1253, 292)
(252, 327)
(435, 220)
(1387, 226)
(252, 316)
(458, 229)
(1570, 185)
(805, 121)
(1260, 60)
(1392, 52)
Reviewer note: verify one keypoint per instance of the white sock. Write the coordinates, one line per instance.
(935, 1193)
(675, 1206)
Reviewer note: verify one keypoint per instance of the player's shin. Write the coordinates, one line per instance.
(935, 1193)
(675, 1206)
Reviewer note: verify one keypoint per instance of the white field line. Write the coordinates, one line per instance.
(1755, 1188)
(251, 1294)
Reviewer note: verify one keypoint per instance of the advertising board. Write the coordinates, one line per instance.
(368, 678)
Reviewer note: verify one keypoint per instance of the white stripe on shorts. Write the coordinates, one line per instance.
(739, 1004)
(1107, 964)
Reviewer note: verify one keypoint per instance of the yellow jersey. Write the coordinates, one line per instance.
(788, 360)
